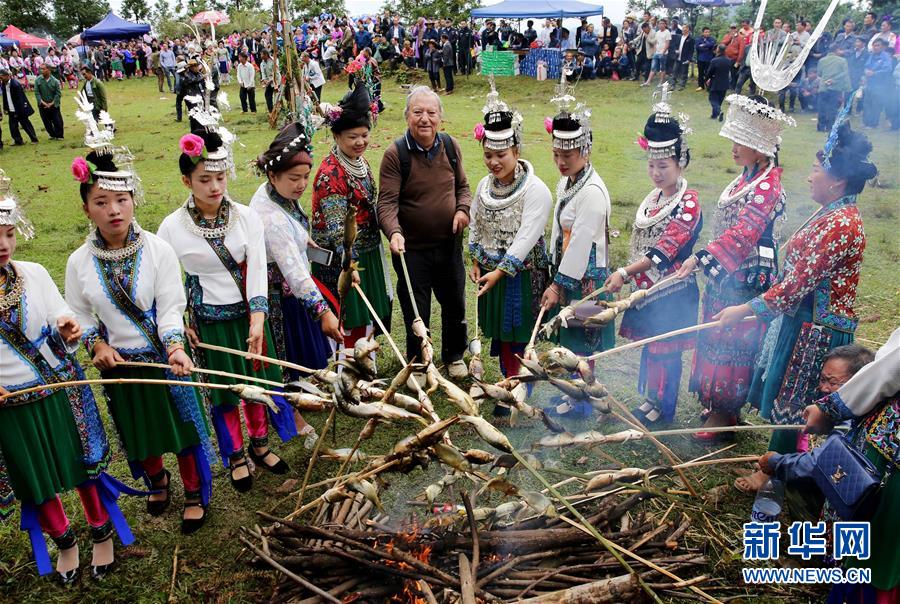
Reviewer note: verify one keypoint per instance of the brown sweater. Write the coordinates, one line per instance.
(423, 212)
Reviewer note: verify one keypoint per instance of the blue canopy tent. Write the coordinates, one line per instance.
(539, 9)
(6, 42)
(113, 27)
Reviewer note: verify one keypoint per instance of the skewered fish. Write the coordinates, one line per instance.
(367, 489)
(456, 395)
(255, 394)
(563, 357)
(607, 478)
(488, 432)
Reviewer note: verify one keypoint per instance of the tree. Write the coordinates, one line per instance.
(410, 10)
(25, 14)
(136, 10)
(314, 8)
(73, 16)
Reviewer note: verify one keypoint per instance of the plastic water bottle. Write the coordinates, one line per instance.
(769, 498)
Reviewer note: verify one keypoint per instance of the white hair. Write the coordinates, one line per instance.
(420, 91)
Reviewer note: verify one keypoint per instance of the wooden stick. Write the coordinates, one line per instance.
(655, 567)
(236, 376)
(466, 581)
(377, 320)
(671, 334)
(748, 428)
(269, 560)
(315, 455)
(473, 528)
(534, 331)
(714, 462)
(71, 383)
(172, 597)
(666, 451)
(255, 357)
(409, 288)
(585, 525)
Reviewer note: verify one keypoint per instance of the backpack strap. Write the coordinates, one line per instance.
(406, 162)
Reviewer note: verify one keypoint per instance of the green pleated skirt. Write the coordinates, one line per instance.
(146, 417)
(41, 447)
(372, 281)
(506, 311)
(233, 334)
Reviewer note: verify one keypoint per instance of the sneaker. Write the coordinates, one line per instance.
(458, 370)
(698, 88)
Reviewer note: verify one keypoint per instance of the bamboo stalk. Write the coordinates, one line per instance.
(72, 383)
(535, 329)
(670, 334)
(236, 376)
(377, 320)
(255, 357)
(409, 288)
(748, 428)
(315, 455)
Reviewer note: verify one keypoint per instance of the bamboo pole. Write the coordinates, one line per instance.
(255, 357)
(204, 371)
(72, 383)
(671, 334)
(377, 320)
(534, 331)
(315, 455)
(409, 288)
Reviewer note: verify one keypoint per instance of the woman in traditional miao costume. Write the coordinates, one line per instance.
(810, 306)
(344, 182)
(130, 303)
(579, 238)
(221, 247)
(740, 262)
(506, 238)
(665, 230)
(52, 440)
(307, 320)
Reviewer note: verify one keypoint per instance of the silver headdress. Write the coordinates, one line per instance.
(97, 135)
(754, 124)
(771, 63)
(571, 126)
(222, 159)
(10, 212)
(502, 126)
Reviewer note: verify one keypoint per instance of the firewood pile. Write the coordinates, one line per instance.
(351, 552)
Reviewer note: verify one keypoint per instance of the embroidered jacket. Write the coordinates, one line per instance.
(744, 231)
(580, 231)
(525, 228)
(333, 190)
(40, 307)
(674, 243)
(824, 258)
(213, 289)
(287, 238)
(151, 280)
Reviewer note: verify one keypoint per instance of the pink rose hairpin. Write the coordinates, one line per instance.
(193, 146)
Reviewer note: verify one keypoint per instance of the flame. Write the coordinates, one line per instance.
(421, 551)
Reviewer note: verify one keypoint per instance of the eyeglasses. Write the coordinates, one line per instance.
(834, 382)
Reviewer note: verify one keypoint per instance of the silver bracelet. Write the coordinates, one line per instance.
(623, 273)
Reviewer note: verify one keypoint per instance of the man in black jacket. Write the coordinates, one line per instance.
(718, 80)
(449, 62)
(681, 51)
(16, 107)
(609, 33)
(396, 31)
(464, 44)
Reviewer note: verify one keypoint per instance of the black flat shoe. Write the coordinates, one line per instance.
(280, 467)
(102, 534)
(156, 508)
(67, 540)
(241, 485)
(192, 525)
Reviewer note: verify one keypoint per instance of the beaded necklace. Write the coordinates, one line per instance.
(98, 248)
(14, 285)
(195, 223)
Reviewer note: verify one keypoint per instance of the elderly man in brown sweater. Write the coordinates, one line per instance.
(423, 208)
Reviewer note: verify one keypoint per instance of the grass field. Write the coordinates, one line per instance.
(212, 567)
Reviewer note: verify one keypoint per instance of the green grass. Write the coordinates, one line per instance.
(213, 568)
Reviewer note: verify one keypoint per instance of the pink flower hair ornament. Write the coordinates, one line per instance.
(548, 124)
(83, 170)
(478, 131)
(642, 142)
(193, 146)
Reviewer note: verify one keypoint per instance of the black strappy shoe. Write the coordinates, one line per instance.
(156, 508)
(239, 460)
(100, 534)
(255, 443)
(192, 525)
(67, 540)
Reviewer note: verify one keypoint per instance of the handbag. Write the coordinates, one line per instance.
(847, 479)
